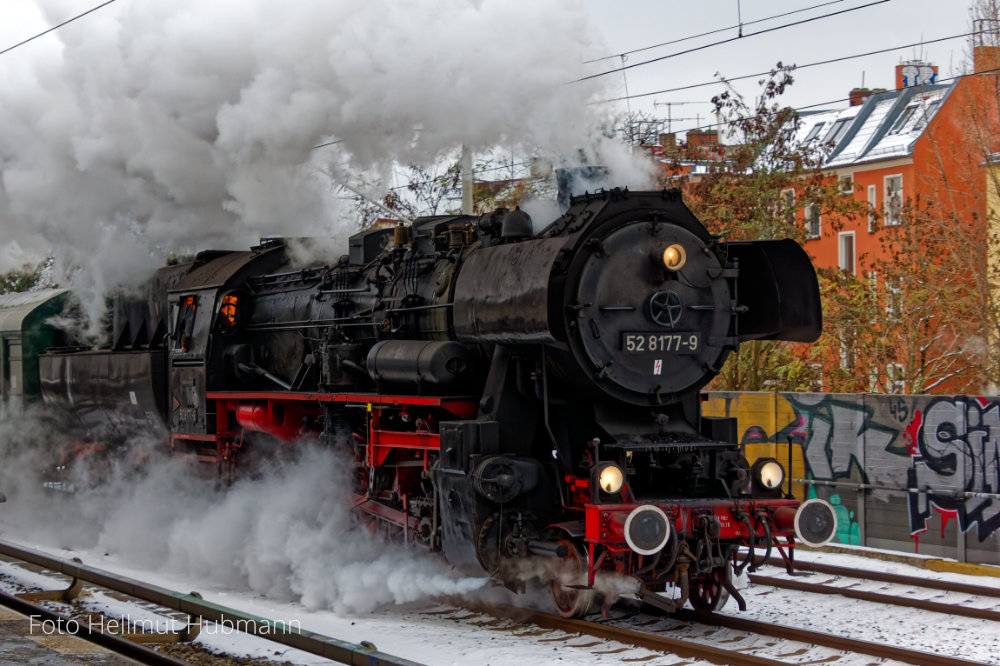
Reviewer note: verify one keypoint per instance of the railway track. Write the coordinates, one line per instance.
(755, 643)
(905, 600)
(169, 602)
(803, 639)
(748, 649)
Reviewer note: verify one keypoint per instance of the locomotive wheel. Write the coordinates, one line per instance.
(570, 595)
(710, 594)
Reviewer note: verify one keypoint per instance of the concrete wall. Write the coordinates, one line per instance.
(910, 473)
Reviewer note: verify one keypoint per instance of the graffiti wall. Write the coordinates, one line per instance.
(910, 473)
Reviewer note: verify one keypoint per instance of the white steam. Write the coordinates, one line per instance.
(147, 128)
(289, 535)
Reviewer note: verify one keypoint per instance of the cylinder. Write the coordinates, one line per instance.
(419, 362)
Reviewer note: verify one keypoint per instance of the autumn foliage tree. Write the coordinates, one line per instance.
(758, 189)
(24, 278)
(911, 325)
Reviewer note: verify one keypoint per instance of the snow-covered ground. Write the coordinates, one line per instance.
(436, 633)
(285, 547)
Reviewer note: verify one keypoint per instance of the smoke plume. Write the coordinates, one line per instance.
(145, 129)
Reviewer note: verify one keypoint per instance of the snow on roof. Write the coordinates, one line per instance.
(885, 127)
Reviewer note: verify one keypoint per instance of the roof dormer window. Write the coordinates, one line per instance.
(904, 118)
(926, 114)
(838, 131)
(814, 131)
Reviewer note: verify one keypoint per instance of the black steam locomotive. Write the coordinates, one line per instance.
(527, 403)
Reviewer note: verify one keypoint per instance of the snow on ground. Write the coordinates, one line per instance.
(428, 633)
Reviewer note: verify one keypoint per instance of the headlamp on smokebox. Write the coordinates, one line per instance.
(766, 477)
(674, 257)
(610, 478)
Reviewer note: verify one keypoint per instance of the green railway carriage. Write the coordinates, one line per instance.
(25, 332)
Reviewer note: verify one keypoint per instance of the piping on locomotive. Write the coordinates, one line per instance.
(523, 402)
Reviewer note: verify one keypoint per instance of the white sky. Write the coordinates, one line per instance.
(632, 24)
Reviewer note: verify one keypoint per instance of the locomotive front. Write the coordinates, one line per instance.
(622, 310)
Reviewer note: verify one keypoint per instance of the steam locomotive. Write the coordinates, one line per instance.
(527, 403)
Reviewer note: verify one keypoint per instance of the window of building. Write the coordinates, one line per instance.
(817, 380)
(904, 117)
(845, 251)
(926, 114)
(872, 207)
(846, 355)
(814, 131)
(894, 381)
(838, 131)
(893, 200)
(873, 280)
(893, 298)
(813, 221)
(786, 204)
(847, 184)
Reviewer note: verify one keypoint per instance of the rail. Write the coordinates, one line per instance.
(279, 632)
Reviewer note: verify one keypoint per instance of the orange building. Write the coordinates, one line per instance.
(923, 143)
(924, 147)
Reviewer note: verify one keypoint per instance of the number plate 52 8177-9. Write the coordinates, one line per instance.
(677, 342)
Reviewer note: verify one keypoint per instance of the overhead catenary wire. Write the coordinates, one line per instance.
(730, 40)
(796, 67)
(431, 180)
(711, 32)
(56, 27)
(828, 103)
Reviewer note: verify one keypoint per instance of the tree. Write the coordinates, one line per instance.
(910, 326)
(25, 278)
(431, 191)
(759, 190)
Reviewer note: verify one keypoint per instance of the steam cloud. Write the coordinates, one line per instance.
(150, 128)
(289, 534)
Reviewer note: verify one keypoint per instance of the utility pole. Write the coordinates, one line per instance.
(467, 182)
(628, 102)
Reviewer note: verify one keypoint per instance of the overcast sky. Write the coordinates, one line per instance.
(628, 25)
(634, 24)
(146, 128)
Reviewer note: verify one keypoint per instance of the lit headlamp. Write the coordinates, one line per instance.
(767, 475)
(610, 478)
(674, 257)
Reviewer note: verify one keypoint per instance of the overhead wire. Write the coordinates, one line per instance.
(796, 67)
(727, 41)
(829, 102)
(56, 27)
(431, 180)
(712, 32)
